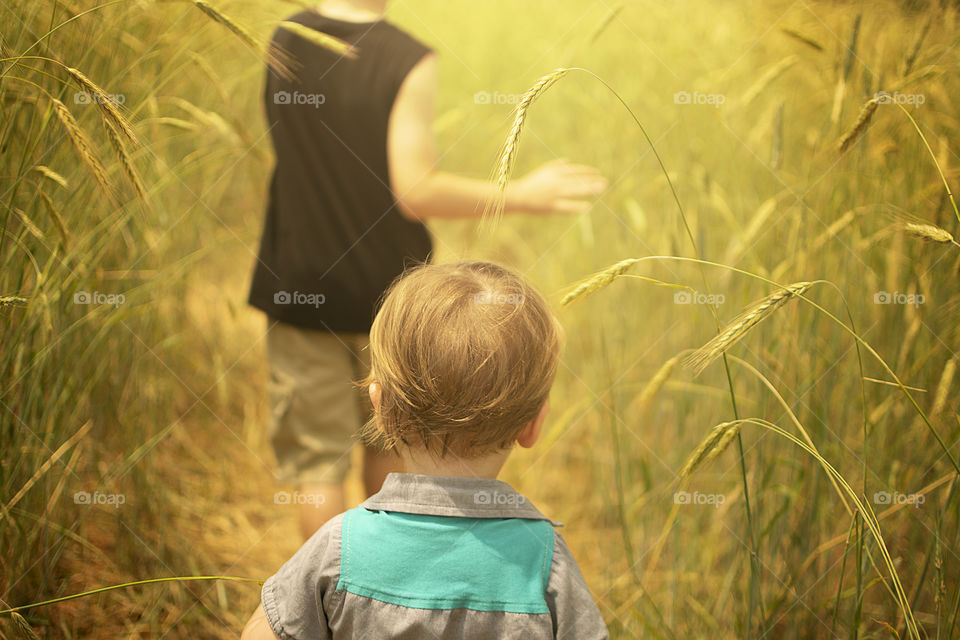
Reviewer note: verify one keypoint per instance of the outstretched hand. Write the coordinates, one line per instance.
(557, 187)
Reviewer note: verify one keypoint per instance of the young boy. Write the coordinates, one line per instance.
(356, 178)
(462, 360)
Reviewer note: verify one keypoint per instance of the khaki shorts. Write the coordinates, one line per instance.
(316, 411)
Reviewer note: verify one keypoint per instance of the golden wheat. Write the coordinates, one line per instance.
(125, 160)
(9, 301)
(866, 114)
(598, 281)
(321, 39)
(929, 232)
(742, 325)
(81, 144)
(275, 57)
(943, 389)
(509, 153)
(712, 446)
(57, 219)
(29, 225)
(49, 173)
(655, 384)
(105, 102)
(23, 628)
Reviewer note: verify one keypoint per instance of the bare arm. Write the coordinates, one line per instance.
(422, 191)
(257, 627)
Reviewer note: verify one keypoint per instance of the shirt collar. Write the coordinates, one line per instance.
(444, 496)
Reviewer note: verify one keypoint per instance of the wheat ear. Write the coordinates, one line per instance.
(866, 114)
(742, 324)
(509, 154)
(81, 144)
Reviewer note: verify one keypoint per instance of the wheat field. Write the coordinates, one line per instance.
(755, 429)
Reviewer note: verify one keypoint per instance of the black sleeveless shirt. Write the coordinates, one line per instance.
(334, 239)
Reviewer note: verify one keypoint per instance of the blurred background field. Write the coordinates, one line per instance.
(158, 394)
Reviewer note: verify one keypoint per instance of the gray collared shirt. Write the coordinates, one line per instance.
(434, 558)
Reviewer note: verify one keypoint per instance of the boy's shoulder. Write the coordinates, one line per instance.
(447, 545)
(453, 496)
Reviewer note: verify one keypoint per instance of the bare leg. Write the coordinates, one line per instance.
(319, 503)
(376, 466)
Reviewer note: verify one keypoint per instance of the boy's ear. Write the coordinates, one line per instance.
(374, 391)
(531, 433)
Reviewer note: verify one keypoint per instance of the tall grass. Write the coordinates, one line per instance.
(158, 198)
(106, 210)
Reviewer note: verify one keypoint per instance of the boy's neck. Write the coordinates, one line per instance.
(420, 462)
(353, 10)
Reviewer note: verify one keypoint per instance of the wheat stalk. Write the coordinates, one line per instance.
(218, 16)
(106, 103)
(796, 35)
(930, 232)
(851, 136)
(712, 446)
(321, 39)
(509, 154)
(915, 49)
(742, 325)
(9, 301)
(769, 76)
(125, 160)
(57, 219)
(29, 225)
(81, 144)
(598, 281)
(276, 58)
(47, 172)
(655, 384)
(23, 628)
(944, 387)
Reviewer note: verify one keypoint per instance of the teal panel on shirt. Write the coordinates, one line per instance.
(440, 562)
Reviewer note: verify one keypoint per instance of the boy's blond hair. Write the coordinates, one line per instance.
(464, 356)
